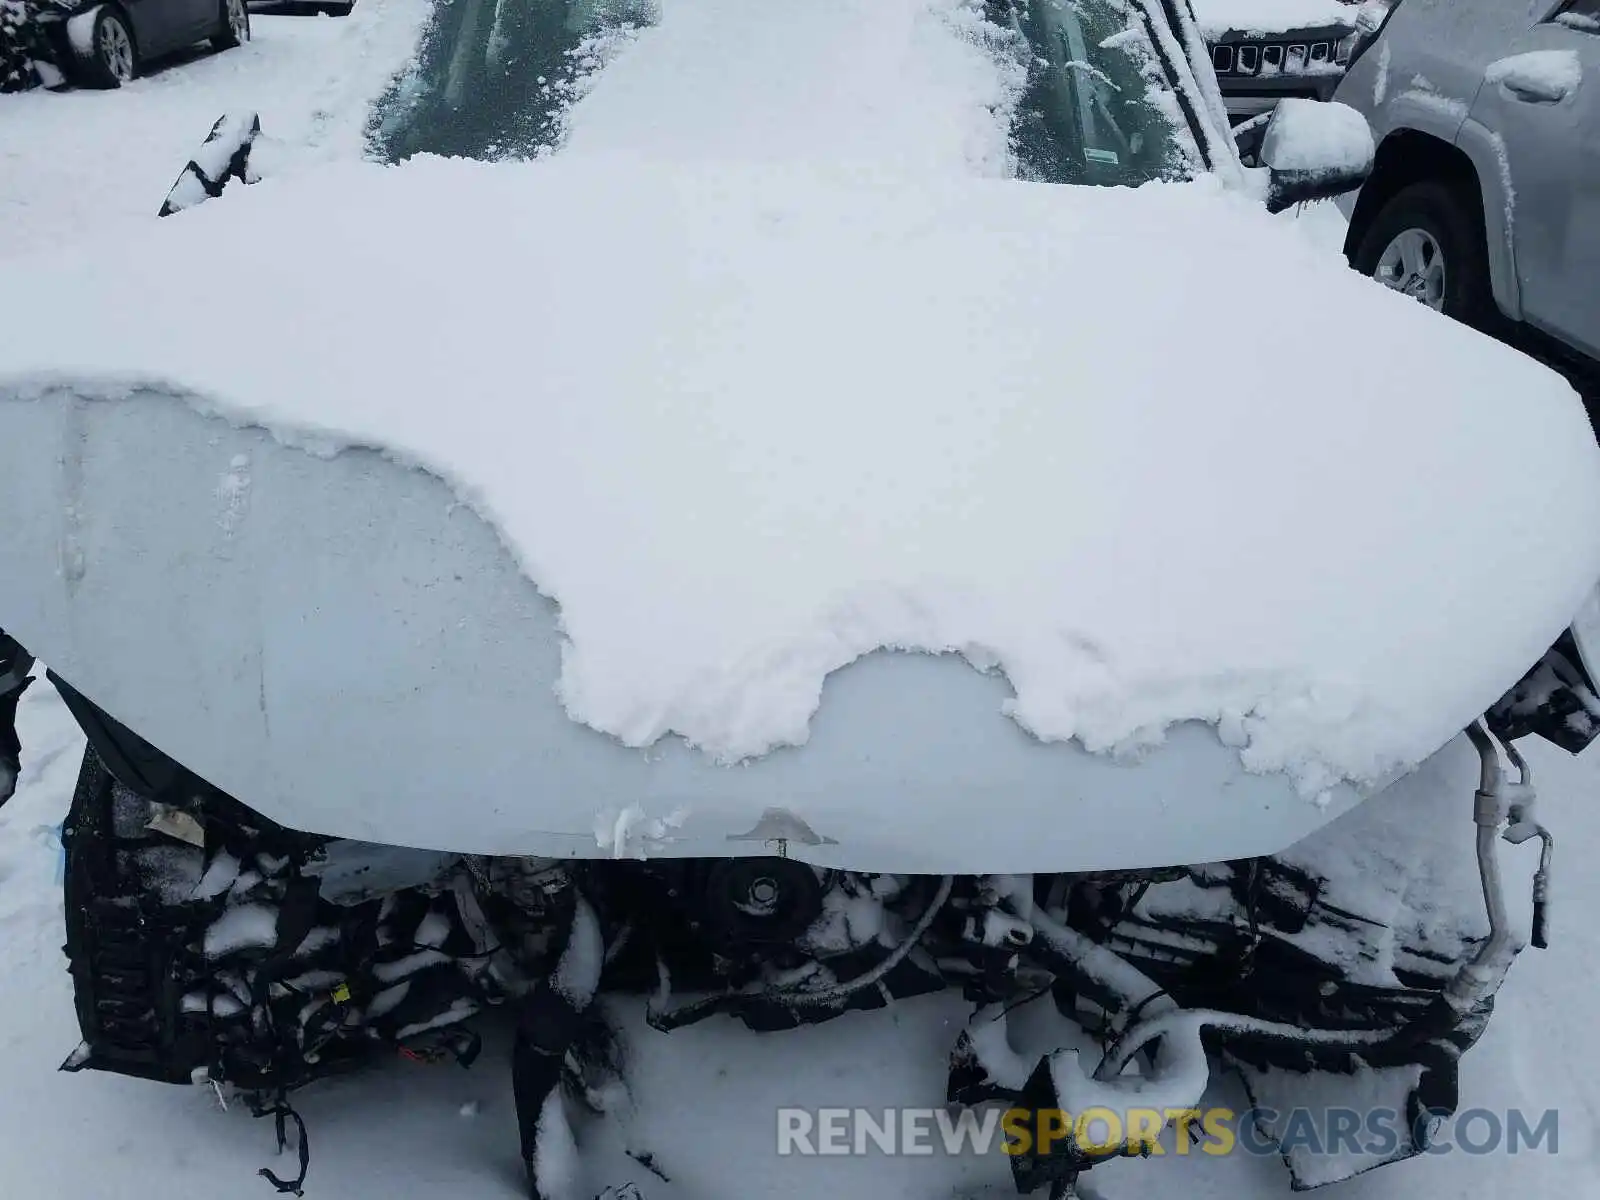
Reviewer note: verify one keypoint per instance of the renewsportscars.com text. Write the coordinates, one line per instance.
(1377, 1132)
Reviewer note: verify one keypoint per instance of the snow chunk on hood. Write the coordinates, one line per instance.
(747, 426)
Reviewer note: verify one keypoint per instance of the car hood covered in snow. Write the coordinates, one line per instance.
(664, 450)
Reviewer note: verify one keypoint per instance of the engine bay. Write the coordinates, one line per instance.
(210, 946)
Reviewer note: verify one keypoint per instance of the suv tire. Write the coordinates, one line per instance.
(1443, 220)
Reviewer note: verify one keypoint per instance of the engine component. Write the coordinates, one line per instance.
(207, 943)
(549, 1021)
(745, 903)
(1556, 699)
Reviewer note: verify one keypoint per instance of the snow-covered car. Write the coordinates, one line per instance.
(721, 510)
(1478, 204)
(1268, 50)
(106, 43)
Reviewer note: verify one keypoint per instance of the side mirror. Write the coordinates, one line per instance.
(1314, 150)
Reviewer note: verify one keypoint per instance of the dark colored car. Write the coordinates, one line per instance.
(107, 44)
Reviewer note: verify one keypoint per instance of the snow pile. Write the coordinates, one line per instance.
(748, 426)
(1543, 73)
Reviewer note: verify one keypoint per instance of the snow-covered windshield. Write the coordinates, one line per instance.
(1065, 91)
(1091, 112)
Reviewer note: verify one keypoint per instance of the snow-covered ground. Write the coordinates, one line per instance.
(77, 160)
(704, 1099)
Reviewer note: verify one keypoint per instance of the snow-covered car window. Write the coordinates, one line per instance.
(1080, 83)
(1090, 112)
(491, 79)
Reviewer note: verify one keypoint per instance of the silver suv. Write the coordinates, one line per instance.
(1484, 202)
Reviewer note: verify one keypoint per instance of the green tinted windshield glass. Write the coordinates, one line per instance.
(493, 77)
(1092, 111)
